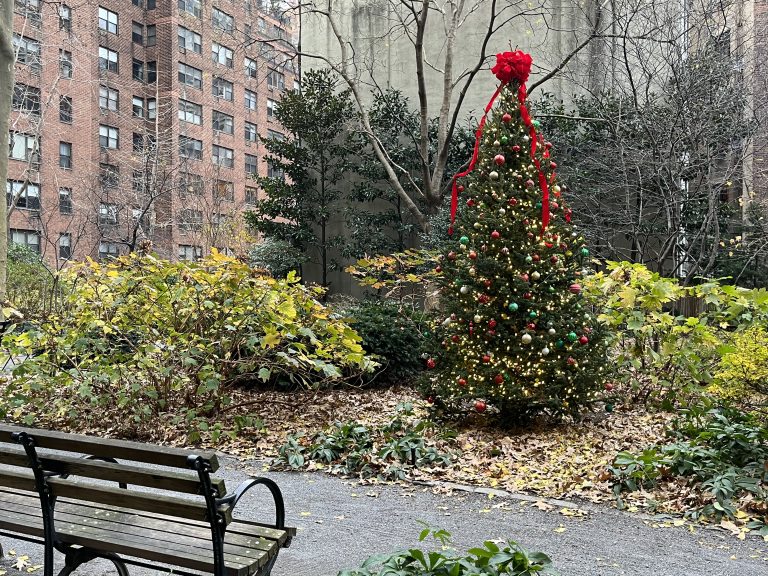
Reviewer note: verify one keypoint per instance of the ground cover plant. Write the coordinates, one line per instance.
(140, 340)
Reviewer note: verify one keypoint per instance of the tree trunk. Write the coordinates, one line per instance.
(6, 94)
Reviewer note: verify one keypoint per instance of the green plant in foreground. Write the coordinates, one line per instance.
(490, 559)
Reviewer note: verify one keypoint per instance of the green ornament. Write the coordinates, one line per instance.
(536, 124)
(457, 282)
(538, 204)
(513, 307)
(504, 140)
(560, 343)
(609, 407)
(464, 240)
(426, 334)
(529, 259)
(584, 252)
(551, 289)
(533, 314)
(572, 336)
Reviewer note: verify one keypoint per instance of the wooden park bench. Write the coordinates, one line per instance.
(58, 490)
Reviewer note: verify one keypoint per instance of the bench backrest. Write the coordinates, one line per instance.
(65, 472)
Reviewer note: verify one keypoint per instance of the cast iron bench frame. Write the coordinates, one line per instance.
(35, 481)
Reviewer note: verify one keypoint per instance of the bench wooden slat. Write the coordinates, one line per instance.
(185, 482)
(241, 556)
(110, 448)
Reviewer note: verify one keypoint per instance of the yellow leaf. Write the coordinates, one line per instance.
(560, 529)
(270, 340)
(679, 522)
(34, 568)
(306, 513)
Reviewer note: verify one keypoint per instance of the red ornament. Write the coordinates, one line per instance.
(451, 255)
(512, 66)
(455, 338)
(568, 214)
(553, 259)
(536, 257)
(492, 323)
(552, 165)
(491, 333)
(530, 234)
(483, 298)
(438, 269)
(486, 359)
(470, 202)
(531, 326)
(462, 382)
(495, 235)
(516, 147)
(529, 183)
(499, 379)
(460, 188)
(524, 277)
(487, 283)
(499, 159)
(548, 244)
(527, 295)
(480, 406)
(431, 363)
(554, 205)
(574, 288)
(547, 145)
(507, 118)
(583, 340)
(571, 361)
(431, 399)
(608, 386)
(512, 202)
(472, 255)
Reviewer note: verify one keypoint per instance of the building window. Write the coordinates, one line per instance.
(65, 109)
(65, 63)
(22, 147)
(65, 18)
(275, 171)
(251, 67)
(28, 238)
(190, 76)
(65, 246)
(250, 132)
(251, 164)
(190, 40)
(107, 214)
(26, 194)
(138, 142)
(276, 79)
(223, 190)
(27, 51)
(190, 112)
(190, 148)
(250, 100)
(65, 200)
(26, 99)
(138, 70)
(138, 107)
(223, 89)
(108, 250)
(151, 35)
(193, 7)
(137, 34)
(188, 252)
(220, 54)
(107, 20)
(109, 175)
(251, 195)
(190, 220)
(108, 98)
(30, 9)
(152, 71)
(271, 108)
(223, 156)
(222, 21)
(274, 135)
(109, 137)
(223, 122)
(151, 109)
(151, 4)
(108, 60)
(65, 155)
(191, 184)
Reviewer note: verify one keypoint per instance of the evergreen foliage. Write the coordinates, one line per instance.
(516, 331)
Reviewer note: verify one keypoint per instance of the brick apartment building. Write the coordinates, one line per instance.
(140, 120)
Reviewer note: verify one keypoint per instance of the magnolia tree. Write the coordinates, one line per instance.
(516, 332)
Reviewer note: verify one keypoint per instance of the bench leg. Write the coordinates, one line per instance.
(73, 558)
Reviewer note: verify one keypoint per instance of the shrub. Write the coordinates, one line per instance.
(278, 257)
(722, 452)
(32, 287)
(743, 368)
(489, 559)
(141, 339)
(387, 452)
(396, 335)
(661, 354)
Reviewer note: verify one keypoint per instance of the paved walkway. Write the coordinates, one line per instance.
(341, 523)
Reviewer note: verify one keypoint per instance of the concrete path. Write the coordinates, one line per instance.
(341, 523)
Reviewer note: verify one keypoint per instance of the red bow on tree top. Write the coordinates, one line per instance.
(510, 66)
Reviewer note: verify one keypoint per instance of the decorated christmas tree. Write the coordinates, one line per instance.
(516, 333)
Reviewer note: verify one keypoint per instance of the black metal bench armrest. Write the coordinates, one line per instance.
(277, 495)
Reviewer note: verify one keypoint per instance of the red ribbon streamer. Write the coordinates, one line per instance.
(521, 96)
